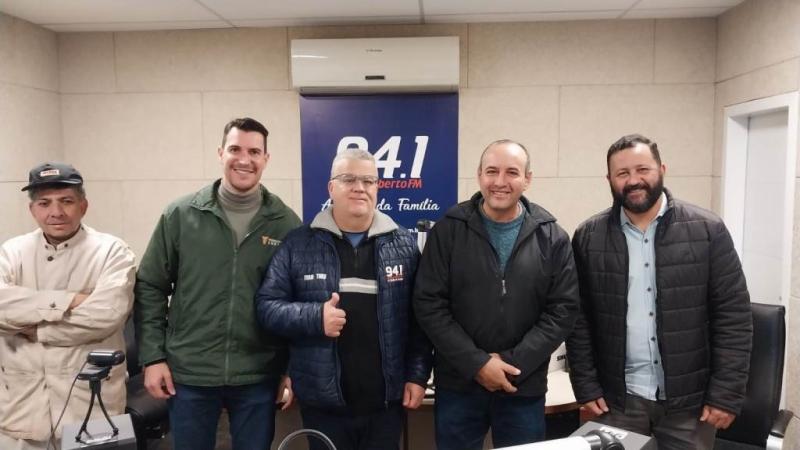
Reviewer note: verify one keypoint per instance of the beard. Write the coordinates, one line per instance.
(653, 193)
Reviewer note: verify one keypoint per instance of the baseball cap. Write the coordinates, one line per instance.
(53, 173)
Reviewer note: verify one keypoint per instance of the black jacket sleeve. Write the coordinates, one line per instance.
(419, 351)
(730, 325)
(580, 353)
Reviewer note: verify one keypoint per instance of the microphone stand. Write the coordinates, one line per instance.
(95, 375)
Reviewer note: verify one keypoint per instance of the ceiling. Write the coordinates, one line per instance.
(122, 15)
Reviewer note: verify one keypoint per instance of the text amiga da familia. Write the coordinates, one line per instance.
(403, 204)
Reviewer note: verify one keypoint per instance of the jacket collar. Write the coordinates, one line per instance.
(206, 199)
(381, 223)
(468, 211)
(77, 238)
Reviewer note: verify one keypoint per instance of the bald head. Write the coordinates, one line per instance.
(512, 146)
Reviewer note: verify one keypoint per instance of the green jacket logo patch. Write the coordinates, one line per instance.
(266, 240)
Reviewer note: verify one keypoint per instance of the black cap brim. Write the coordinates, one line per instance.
(64, 183)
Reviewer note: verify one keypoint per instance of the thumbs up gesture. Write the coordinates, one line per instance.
(333, 318)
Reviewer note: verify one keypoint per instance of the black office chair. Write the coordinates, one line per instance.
(150, 416)
(761, 424)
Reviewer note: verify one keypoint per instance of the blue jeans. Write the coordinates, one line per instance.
(462, 419)
(194, 414)
(377, 431)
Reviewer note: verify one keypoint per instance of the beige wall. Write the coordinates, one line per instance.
(141, 112)
(30, 115)
(759, 56)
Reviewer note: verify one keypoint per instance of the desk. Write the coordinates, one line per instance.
(562, 412)
(559, 397)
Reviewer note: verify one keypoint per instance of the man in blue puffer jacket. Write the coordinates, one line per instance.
(340, 290)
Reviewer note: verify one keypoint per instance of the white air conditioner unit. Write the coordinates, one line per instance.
(418, 64)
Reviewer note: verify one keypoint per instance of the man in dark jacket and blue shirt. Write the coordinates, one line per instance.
(496, 293)
(340, 290)
(662, 344)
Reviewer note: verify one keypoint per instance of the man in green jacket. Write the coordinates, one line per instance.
(198, 338)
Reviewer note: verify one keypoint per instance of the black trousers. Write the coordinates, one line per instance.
(377, 431)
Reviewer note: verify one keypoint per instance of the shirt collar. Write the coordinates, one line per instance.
(623, 218)
(66, 244)
(520, 211)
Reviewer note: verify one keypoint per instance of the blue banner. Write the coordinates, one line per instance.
(414, 139)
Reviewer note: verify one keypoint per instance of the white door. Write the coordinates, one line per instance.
(763, 243)
(758, 191)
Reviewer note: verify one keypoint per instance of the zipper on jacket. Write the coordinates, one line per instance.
(502, 274)
(380, 325)
(230, 317)
(511, 256)
(226, 374)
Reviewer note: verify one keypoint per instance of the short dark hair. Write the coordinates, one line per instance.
(33, 193)
(245, 124)
(507, 141)
(630, 141)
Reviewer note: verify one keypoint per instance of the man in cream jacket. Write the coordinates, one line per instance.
(65, 290)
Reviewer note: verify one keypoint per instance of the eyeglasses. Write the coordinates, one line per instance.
(350, 180)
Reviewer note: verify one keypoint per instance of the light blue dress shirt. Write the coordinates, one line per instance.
(644, 375)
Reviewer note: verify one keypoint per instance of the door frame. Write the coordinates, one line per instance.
(734, 169)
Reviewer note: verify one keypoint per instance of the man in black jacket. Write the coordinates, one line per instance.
(662, 344)
(496, 292)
